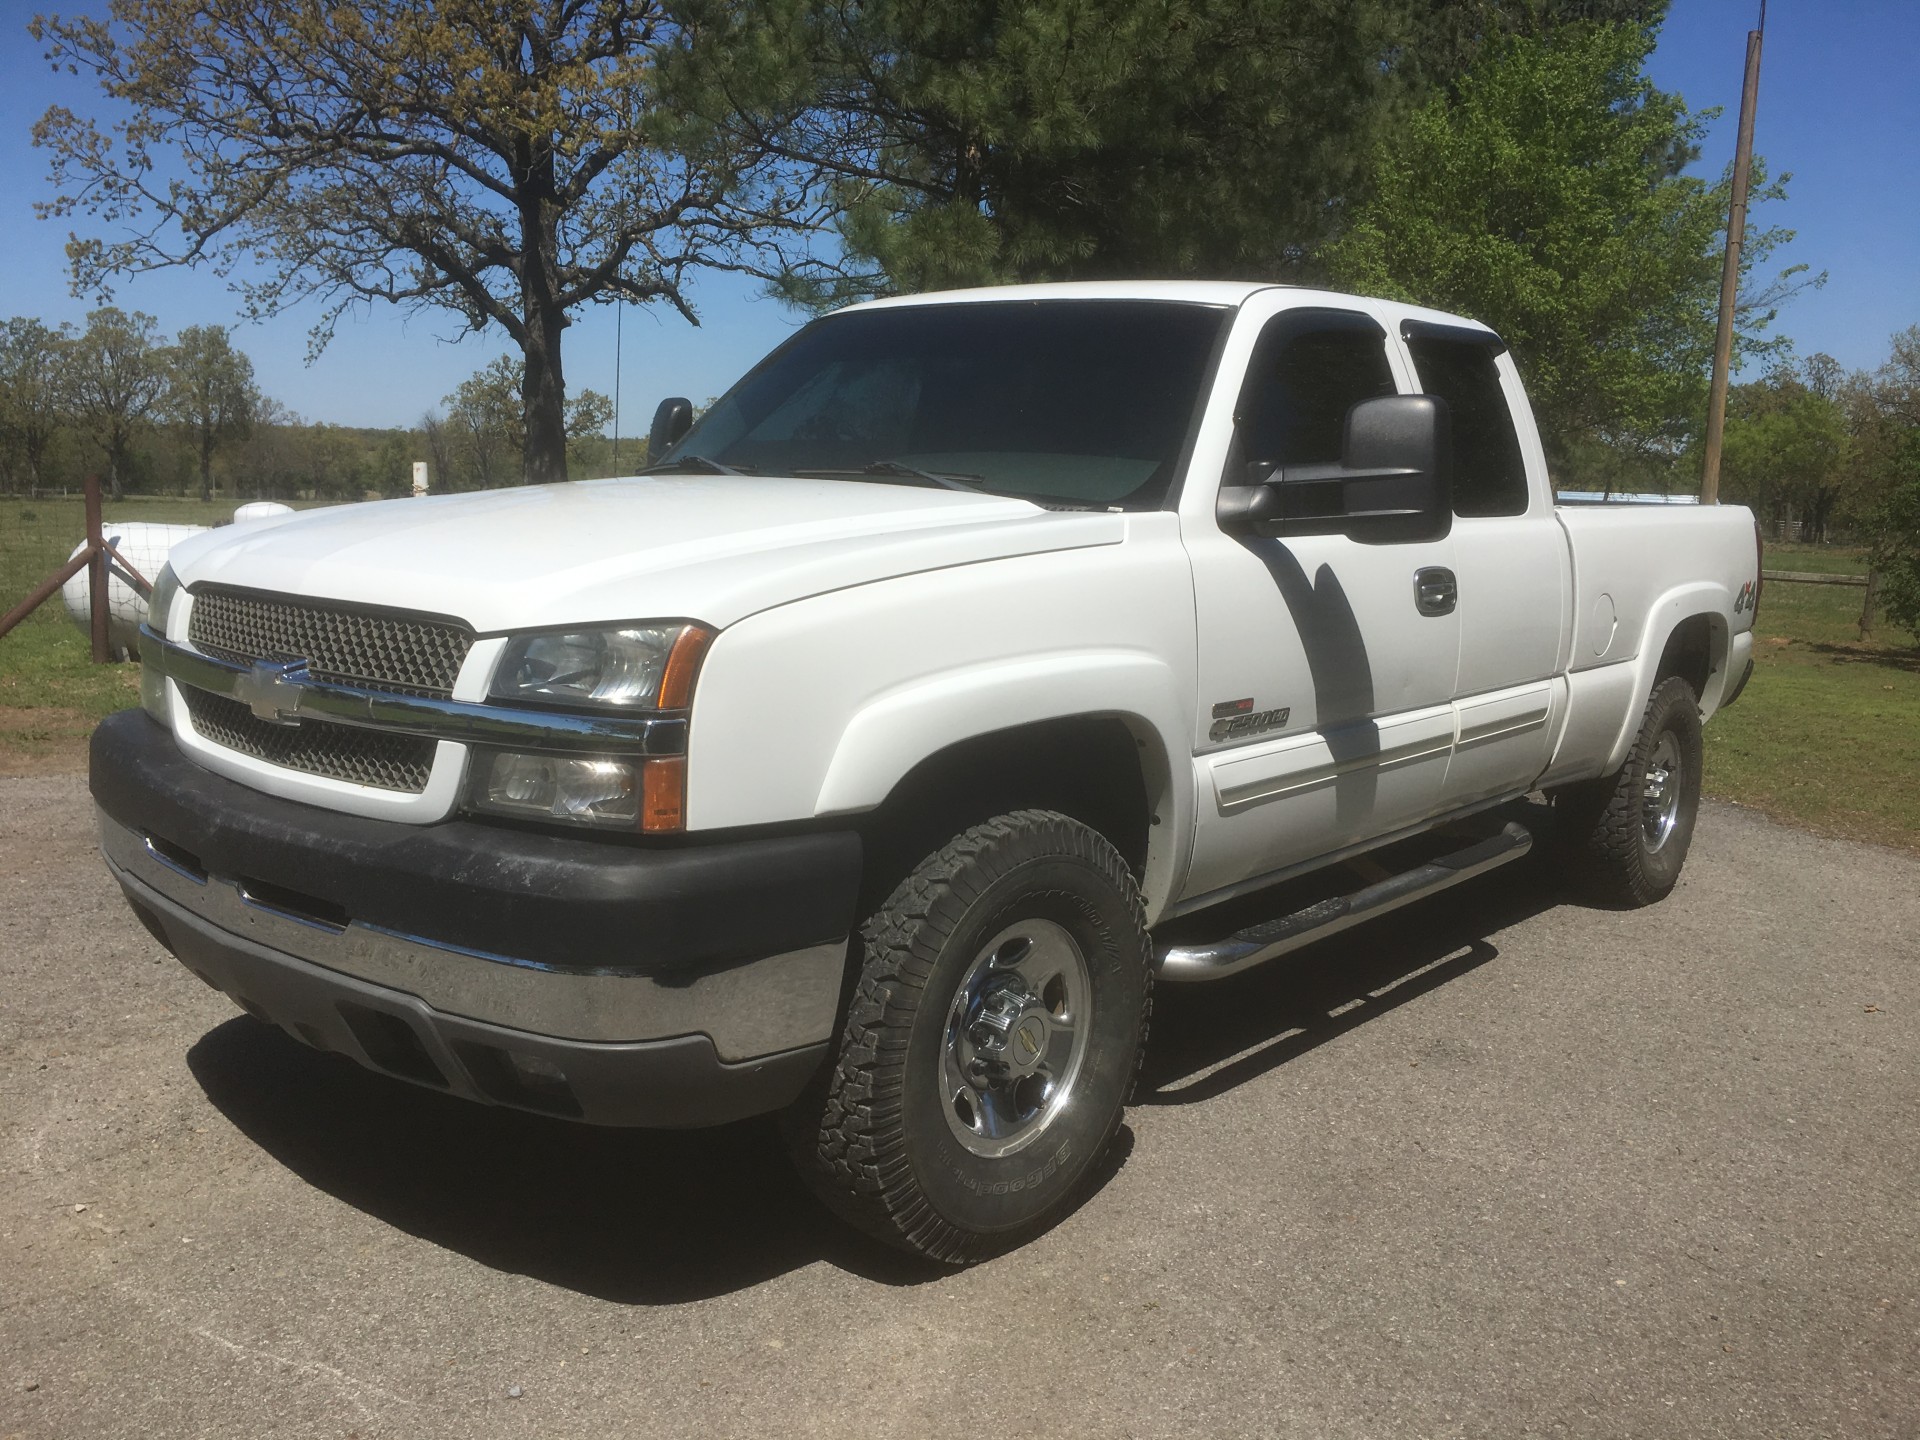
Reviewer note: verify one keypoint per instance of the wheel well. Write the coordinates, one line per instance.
(1089, 767)
(1689, 654)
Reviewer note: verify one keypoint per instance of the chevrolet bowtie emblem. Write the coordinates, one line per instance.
(271, 689)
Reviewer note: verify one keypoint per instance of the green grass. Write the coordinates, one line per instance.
(1827, 735)
(1817, 559)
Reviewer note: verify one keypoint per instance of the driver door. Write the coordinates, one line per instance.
(1326, 675)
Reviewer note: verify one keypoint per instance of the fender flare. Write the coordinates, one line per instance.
(898, 730)
(1667, 614)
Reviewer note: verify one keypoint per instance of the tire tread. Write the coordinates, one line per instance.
(858, 1161)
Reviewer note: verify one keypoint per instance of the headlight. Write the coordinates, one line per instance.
(612, 792)
(637, 667)
(153, 685)
(628, 667)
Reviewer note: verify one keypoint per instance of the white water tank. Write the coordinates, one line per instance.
(144, 544)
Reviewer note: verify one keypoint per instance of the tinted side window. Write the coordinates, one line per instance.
(1488, 475)
(1308, 369)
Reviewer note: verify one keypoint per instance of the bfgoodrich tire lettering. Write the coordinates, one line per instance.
(1021, 929)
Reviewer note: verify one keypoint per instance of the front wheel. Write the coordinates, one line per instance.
(1627, 833)
(992, 1041)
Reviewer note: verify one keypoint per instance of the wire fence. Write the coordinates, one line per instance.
(39, 537)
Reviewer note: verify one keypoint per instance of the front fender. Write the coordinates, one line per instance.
(821, 707)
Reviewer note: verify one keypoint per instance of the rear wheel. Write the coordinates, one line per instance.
(991, 1043)
(1627, 833)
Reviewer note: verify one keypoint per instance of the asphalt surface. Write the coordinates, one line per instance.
(1498, 1165)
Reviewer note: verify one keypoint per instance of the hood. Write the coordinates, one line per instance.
(713, 548)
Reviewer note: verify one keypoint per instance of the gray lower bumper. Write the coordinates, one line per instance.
(610, 1048)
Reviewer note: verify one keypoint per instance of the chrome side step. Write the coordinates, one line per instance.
(1273, 938)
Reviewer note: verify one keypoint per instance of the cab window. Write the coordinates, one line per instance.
(1489, 477)
(1309, 368)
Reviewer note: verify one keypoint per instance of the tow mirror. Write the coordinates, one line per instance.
(670, 424)
(1393, 483)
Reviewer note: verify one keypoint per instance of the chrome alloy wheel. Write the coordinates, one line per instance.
(1015, 1038)
(1660, 792)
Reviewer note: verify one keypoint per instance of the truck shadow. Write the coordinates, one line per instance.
(666, 1217)
(1208, 1039)
(636, 1217)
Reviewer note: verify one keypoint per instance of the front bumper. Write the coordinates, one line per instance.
(620, 984)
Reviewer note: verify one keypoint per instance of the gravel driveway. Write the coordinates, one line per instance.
(1495, 1166)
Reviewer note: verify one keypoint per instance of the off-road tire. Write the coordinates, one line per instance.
(1604, 826)
(875, 1143)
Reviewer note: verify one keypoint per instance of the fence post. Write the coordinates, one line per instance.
(96, 572)
(1866, 609)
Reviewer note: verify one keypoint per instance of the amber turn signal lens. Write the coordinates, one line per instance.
(683, 663)
(663, 794)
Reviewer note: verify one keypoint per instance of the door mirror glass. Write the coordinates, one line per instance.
(1392, 483)
(670, 424)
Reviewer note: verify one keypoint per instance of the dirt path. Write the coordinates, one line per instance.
(1493, 1167)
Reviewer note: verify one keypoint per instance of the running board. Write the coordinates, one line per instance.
(1273, 938)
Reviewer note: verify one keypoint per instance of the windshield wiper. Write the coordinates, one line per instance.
(945, 479)
(698, 464)
(942, 479)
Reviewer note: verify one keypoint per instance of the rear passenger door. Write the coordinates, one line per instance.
(1325, 693)
(1511, 560)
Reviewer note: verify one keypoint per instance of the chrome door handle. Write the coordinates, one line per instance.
(1435, 591)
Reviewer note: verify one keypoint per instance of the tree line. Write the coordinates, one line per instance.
(153, 415)
(512, 161)
(1823, 450)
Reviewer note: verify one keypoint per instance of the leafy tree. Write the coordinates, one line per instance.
(32, 356)
(1785, 452)
(484, 415)
(588, 415)
(973, 141)
(1544, 198)
(113, 378)
(210, 392)
(478, 441)
(268, 456)
(507, 160)
(976, 141)
(1896, 531)
(437, 439)
(1899, 379)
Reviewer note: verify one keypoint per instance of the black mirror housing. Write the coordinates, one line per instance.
(1393, 485)
(671, 421)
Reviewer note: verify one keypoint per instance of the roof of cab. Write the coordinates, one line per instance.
(1192, 292)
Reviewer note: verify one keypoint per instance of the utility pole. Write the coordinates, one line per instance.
(1730, 271)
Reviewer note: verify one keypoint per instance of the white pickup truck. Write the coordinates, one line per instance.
(869, 757)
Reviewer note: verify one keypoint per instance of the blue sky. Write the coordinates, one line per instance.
(1839, 108)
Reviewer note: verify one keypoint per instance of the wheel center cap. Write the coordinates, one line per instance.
(1010, 1034)
(1029, 1041)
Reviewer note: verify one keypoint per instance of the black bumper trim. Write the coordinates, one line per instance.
(1739, 686)
(564, 901)
(673, 1083)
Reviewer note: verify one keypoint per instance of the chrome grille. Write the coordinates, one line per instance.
(411, 654)
(339, 752)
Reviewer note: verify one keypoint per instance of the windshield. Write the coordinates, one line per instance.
(1077, 402)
